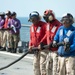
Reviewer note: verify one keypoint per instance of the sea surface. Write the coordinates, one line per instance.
(25, 29)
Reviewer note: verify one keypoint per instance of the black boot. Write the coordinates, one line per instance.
(9, 50)
(14, 50)
(3, 49)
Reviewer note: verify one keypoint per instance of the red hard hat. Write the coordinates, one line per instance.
(46, 12)
(49, 12)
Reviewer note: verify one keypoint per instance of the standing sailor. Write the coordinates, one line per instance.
(52, 26)
(2, 20)
(66, 52)
(37, 32)
(15, 26)
(6, 34)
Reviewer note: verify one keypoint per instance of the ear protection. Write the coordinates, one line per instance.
(49, 16)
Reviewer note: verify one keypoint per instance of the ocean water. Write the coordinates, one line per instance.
(25, 30)
(24, 20)
(25, 33)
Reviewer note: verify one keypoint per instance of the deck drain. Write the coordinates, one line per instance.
(17, 68)
(2, 73)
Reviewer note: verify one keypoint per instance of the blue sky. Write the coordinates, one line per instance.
(24, 7)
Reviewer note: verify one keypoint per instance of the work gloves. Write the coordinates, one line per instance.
(54, 44)
(65, 44)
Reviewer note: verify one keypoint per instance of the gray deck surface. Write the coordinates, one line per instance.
(23, 67)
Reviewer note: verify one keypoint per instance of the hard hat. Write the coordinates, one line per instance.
(8, 12)
(46, 12)
(48, 15)
(49, 12)
(68, 18)
(33, 14)
(13, 13)
(2, 14)
(68, 15)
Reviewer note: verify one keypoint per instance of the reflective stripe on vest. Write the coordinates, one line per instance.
(67, 34)
(53, 29)
(48, 27)
(32, 29)
(38, 29)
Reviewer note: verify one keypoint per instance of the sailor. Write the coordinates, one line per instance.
(15, 26)
(52, 26)
(37, 32)
(66, 53)
(6, 34)
(2, 20)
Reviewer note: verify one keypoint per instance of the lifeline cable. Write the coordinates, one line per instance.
(14, 61)
(33, 49)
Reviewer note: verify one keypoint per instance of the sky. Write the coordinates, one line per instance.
(24, 7)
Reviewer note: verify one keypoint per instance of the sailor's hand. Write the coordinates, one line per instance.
(30, 48)
(54, 44)
(67, 46)
(39, 47)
